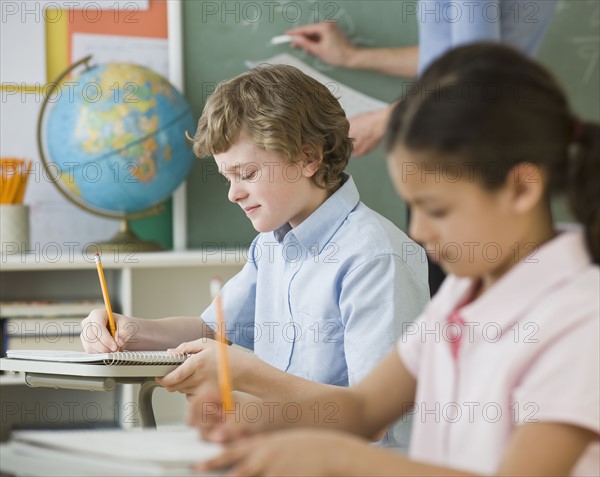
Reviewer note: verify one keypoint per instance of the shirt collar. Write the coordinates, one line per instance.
(318, 228)
(530, 280)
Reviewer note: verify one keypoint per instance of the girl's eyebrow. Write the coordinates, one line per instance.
(423, 200)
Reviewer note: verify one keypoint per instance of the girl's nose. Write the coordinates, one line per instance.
(419, 231)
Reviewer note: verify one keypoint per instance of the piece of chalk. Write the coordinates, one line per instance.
(278, 40)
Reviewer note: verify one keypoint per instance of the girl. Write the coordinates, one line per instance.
(501, 371)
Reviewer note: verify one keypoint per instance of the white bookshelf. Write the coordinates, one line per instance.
(145, 285)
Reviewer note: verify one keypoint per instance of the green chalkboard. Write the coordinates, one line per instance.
(219, 36)
(571, 50)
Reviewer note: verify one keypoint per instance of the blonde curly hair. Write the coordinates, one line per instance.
(281, 109)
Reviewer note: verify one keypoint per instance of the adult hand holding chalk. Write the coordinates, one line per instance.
(326, 41)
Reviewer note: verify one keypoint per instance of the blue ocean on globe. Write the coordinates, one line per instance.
(116, 133)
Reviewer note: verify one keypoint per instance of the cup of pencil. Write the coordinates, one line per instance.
(14, 215)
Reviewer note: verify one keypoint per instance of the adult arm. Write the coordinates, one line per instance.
(327, 42)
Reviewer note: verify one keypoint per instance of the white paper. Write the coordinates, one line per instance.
(22, 48)
(55, 223)
(170, 447)
(353, 102)
(152, 53)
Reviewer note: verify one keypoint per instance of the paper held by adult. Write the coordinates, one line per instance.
(121, 357)
(353, 102)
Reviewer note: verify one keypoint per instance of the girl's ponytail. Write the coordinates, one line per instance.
(583, 181)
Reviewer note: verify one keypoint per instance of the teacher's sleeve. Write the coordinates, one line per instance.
(378, 299)
(473, 21)
(239, 303)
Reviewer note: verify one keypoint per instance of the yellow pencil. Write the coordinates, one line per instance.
(223, 364)
(111, 318)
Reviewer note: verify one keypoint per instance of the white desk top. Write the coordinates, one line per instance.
(87, 370)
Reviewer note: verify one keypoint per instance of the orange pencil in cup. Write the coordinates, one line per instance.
(24, 176)
(111, 319)
(14, 176)
(224, 374)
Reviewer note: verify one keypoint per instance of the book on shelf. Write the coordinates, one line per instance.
(23, 309)
(51, 327)
(116, 358)
(29, 328)
(44, 342)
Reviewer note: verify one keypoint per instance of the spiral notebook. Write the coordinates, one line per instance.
(117, 358)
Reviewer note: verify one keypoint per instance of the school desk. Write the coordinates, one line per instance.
(92, 377)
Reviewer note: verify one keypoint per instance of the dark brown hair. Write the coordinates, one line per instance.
(490, 105)
(281, 109)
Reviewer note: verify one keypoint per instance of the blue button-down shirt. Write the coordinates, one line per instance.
(446, 24)
(328, 299)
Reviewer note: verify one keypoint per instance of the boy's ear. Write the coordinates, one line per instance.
(312, 159)
(525, 183)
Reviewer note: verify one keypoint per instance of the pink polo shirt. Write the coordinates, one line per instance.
(529, 352)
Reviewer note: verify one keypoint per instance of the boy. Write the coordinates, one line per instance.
(328, 283)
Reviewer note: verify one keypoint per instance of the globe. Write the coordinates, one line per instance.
(115, 136)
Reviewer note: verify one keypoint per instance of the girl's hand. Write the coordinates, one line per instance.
(200, 367)
(249, 416)
(298, 452)
(95, 335)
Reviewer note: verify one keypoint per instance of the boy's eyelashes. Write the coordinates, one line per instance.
(240, 177)
(249, 175)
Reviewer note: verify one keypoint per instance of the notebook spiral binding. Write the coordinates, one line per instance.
(143, 357)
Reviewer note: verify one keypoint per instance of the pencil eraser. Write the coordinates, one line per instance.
(280, 39)
(215, 287)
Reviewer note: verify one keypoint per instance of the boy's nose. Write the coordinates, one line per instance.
(236, 191)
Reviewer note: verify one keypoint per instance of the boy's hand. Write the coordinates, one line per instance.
(296, 452)
(200, 367)
(95, 335)
(325, 41)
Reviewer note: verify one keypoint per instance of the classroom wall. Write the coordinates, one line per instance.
(219, 36)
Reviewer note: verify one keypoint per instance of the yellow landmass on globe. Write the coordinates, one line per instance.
(69, 183)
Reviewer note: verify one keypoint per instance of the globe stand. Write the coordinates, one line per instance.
(125, 241)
